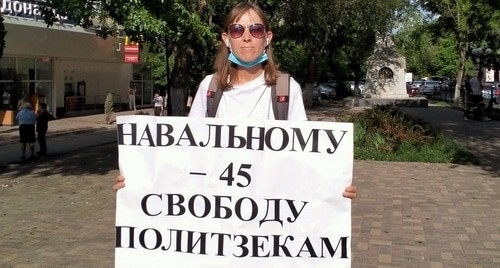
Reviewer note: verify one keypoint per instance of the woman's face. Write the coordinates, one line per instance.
(247, 47)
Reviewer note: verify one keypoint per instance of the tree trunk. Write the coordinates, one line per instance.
(458, 85)
(310, 79)
(356, 70)
(180, 74)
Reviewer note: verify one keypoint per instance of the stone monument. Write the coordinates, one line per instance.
(386, 70)
(385, 79)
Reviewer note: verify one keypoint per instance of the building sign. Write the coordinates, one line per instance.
(131, 48)
(131, 51)
(131, 58)
(26, 9)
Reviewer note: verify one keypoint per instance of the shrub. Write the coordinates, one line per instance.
(385, 133)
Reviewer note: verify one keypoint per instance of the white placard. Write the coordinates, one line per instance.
(207, 192)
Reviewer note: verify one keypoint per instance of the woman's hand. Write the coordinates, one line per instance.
(350, 192)
(120, 183)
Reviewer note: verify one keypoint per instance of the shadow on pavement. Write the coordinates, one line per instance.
(480, 138)
(97, 160)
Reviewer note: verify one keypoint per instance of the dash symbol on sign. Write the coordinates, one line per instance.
(197, 173)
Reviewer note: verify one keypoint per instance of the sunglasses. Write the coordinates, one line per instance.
(257, 30)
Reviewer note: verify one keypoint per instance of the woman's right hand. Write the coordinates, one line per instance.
(120, 183)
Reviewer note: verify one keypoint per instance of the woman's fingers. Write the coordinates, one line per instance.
(350, 192)
(119, 183)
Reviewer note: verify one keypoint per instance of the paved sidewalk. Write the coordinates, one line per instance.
(69, 125)
(481, 138)
(59, 212)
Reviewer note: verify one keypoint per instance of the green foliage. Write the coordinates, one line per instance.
(108, 103)
(330, 39)
(445, 58)
(291, 56)
(3, 33)
(415, 42)
(438, 42)
(384, 133)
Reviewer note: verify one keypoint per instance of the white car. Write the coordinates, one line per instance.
(489, 88)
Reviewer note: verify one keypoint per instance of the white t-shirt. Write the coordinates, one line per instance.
(158, 101)
(251, 100)
(475, 85)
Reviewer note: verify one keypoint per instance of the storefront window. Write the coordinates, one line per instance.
(34, 77)
(7, 68)
(137, 72)
(146, 74)
(6, 92)
(26, 68)
(44, 91)
(143, 84)
(44, 69)
(148, 90)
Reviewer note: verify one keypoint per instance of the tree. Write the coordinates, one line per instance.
(309, 34)
(174, 24)
(357, 35)
(3, 33)
(470, 22)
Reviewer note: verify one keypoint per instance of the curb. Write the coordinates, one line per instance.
(57, 133)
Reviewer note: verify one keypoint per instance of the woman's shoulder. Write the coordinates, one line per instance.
(208, 78)
(205, 82)
(294, 86)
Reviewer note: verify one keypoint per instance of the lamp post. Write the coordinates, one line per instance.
(479, 55)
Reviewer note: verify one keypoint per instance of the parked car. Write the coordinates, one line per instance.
(325, 90)
(412, 92)
(429, 88)
(415, 86)
(361, 86)
(491, 87)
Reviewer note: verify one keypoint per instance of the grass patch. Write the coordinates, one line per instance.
(440, 103)
(384, 133)
(495, 114)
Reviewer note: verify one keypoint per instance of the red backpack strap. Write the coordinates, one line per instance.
(280, 96)
(213, 96)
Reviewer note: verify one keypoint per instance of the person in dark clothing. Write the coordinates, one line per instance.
(42, 125)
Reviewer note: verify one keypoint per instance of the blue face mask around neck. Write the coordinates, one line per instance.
(262, 58)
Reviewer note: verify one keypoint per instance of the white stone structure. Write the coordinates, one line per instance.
(386, 71)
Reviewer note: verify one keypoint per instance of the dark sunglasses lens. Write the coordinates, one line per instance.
(257, 30)
(236, 30)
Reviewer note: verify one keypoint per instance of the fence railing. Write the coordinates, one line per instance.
(447, 93)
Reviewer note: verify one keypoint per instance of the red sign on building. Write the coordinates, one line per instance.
(131, 58)
(131, 48)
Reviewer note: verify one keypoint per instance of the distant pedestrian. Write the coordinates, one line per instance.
(475, 98)
(42, 125)
(131, 96)
(158, 103)
(27, 119)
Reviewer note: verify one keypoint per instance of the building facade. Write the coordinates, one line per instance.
(68, 67)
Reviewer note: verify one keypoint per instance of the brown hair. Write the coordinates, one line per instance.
(224, 68)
